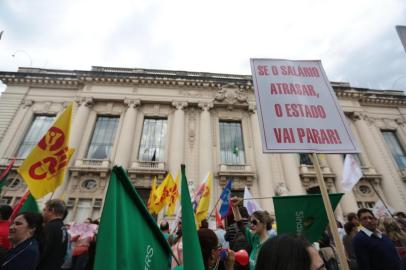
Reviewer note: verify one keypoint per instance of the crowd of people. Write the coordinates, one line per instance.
(33, 241)
(249, 242)
(370, 243)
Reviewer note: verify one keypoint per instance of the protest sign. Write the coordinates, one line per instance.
(298, 110)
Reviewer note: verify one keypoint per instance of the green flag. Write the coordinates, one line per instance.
(303, 214)
(128, 237)
(192, 255)
(30, 205)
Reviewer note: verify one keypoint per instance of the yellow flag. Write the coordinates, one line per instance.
(44, 168)
(202, 209)
(152, 197)
(162, 193)
(173, 195)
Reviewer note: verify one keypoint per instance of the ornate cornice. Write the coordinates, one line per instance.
(240, 84)
(40, 81)
(125, 77)
(372, 97)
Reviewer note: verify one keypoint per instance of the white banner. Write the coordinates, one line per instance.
(380, 210)
(297, 108)
(402, 34)
(351, 173)
(250, 203)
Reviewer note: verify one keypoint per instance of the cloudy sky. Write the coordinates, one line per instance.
(355, 39)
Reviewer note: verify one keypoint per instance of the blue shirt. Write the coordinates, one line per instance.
(375, 251)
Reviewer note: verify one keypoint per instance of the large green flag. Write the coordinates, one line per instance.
(128, 237)
(303, 214)
(192, 255)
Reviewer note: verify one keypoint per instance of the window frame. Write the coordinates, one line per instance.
(112, 139)
(242, 157)
(28, 131)
(161, 146)
(401, 165)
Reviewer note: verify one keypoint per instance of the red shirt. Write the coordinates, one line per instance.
(4, 233)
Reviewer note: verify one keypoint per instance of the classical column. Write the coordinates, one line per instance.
(292, 174)
(79, 123)
(176, 153)
(348, 202)
(205, 140)
(391, 192)
(127, 133)
(264, 186)
(338, 212)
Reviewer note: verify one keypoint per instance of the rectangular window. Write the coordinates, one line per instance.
(396, 149)
(103, 137)
(305, 159)
(231, 143)
(152, 146)
(39, 126)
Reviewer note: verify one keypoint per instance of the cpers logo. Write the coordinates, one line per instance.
(53, 142)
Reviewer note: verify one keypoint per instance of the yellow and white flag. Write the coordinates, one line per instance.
(204, 203)
(44, 168)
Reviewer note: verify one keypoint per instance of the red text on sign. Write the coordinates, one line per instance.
(303, 110)
(318, 136)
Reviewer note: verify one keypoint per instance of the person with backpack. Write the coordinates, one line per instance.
(328, 252)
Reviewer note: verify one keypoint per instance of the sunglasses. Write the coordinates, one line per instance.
(254, 222)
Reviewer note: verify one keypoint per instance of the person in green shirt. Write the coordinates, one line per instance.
(260, 222)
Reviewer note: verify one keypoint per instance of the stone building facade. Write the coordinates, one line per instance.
(151, 121)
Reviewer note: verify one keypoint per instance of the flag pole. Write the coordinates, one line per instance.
(330, 214)
(383, 202)
(211, 212)
(258, 198)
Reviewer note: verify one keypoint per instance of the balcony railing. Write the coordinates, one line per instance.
(94, 163)
(148, 166)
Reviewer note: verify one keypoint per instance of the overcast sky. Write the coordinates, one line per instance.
(355, 39)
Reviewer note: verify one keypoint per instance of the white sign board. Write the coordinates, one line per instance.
(402, 34)
(297, 108)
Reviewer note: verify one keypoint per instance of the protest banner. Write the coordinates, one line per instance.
(297, 108)
(299, 113)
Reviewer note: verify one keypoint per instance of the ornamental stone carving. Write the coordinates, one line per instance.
(85, 101)
(132, 103)
(252, 108)
(205, 106)
(231, 94)
(179, 105)
(281, 189)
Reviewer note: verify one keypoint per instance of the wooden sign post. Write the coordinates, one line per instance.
(330, 215)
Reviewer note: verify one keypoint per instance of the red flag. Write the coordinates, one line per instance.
(219, 222)
(20, 203)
